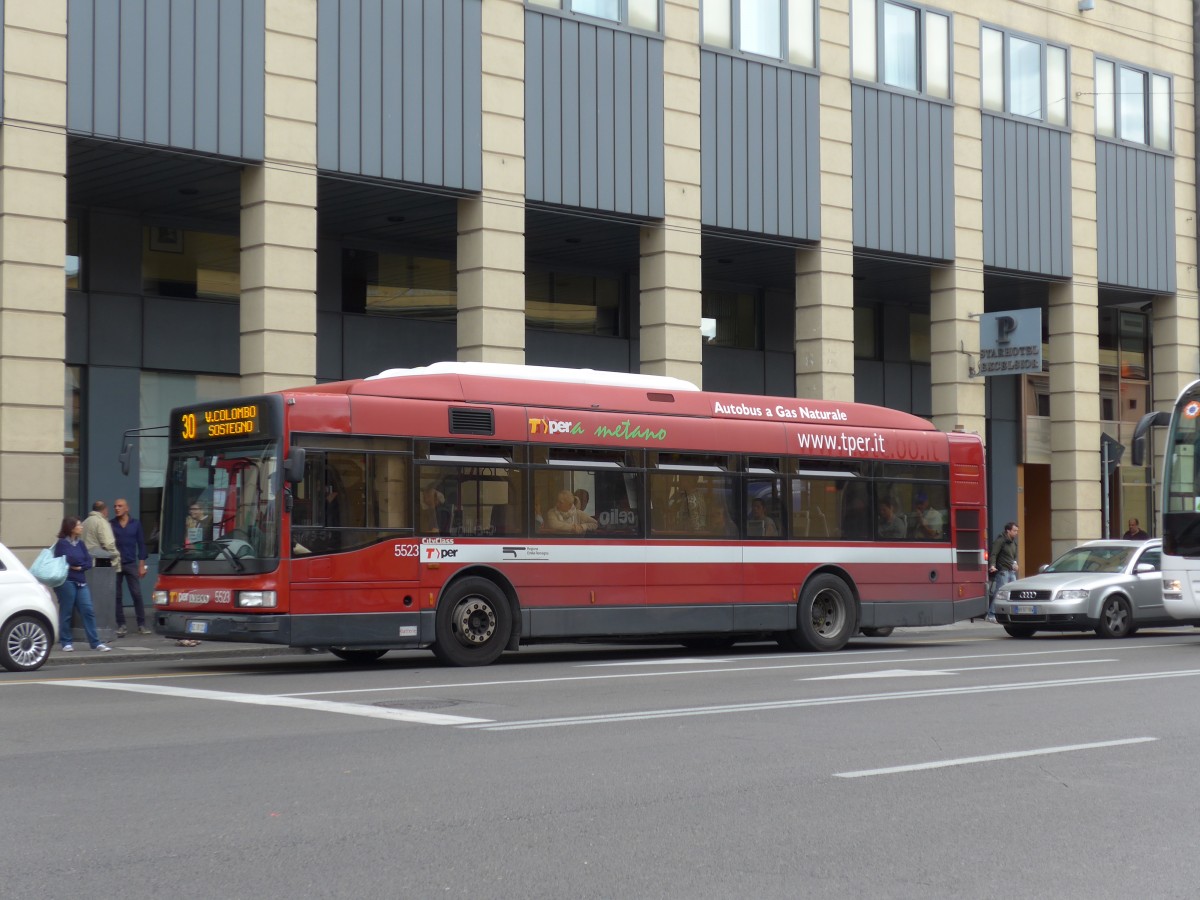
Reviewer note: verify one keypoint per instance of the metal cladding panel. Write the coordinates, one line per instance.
(399, 90)
(183, 74)
(1026, 197)
(758, 139)
(593, 116)
(1135, 189)
(903, 173)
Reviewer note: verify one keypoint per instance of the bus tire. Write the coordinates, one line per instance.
(356, 656)
(826, 618)
(473, 623)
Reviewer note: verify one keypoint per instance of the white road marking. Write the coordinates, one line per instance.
(668, 661)
(901, 673)
(346, 709)
(993, 757)
(840, 661)
(611, 718)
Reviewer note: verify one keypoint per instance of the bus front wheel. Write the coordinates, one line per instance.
(827, 616)
(473, 623)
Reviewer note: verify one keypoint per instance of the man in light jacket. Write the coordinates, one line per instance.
(98, 535)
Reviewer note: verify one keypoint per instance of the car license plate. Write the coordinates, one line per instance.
(197, 628)
(1025, 610)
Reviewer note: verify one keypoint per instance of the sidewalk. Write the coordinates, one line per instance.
(141, 647)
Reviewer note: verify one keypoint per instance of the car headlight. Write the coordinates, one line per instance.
(1074, 595)
(1173, 588)
(257, 599)
(161, 598)
(1002, 596)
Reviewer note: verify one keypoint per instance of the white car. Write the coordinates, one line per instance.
(28, 616)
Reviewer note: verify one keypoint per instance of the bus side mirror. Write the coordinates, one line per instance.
(1137, 453)
(293, 466)
(125, 456)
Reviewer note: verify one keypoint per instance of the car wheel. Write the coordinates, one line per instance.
(1116, 618)
(1020, 631)
(356, 656)
(473, 623)
(25, 644)
(876, 632)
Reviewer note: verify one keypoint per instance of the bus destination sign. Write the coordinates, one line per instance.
(218, 422)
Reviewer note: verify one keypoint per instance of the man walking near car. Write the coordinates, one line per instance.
(131, 544)
(1004, 564)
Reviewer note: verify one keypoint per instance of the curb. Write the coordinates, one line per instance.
(139, 654)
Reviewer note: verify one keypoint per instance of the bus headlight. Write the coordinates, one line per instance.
(161, 598)
(256, 599)
(1172, 589)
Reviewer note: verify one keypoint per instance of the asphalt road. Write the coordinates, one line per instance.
(934, 763)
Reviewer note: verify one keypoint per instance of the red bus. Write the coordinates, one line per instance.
(471, 508)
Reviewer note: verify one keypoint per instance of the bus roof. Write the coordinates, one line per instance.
(560, 388)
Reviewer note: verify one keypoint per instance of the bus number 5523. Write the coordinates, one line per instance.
(406, 550)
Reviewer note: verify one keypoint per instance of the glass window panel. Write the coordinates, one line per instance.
(802, 41)
(73, 501)
(73, 251)
(718, 23)
(1133, 105)
(918, 337)
(1056, 85)
(736, 316)
(598, 502)
(583, 304)
(765, 508)
(862, 14)
(937, 55)
(1135, 345)
(192, 264)
(1105, 100)
(603, 9)
(900, 46)
(1024, 78)
(992, 69)
(866, 340)
(759, 21)
(1160, 112)
(398, 285)
(644, 14)
(471, 500)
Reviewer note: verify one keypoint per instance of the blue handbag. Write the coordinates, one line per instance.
(49, 569)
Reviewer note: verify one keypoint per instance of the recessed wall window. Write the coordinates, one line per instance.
(866, 332)
(778, 29)
(580, 304)
(73, 263)
(199, 264)
(636, 13)
(901, 45)
(73, 502)
(1133, 104)
(736, 316)
(1023, 76)
(418, 287)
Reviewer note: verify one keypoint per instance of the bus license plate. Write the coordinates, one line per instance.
(1025, 610)
(197, 628)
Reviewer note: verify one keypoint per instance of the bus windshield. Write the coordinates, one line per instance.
(220, 510)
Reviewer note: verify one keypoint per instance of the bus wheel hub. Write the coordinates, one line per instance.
(476, 621)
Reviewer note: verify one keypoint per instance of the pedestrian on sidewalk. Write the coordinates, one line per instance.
(73, 593)
(131, 544)
(98, 536)
(1003, 568)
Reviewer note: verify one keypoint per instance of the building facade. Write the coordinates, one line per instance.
(816, 198)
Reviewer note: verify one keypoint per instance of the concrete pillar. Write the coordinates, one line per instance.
(491, 227)
(33, 209)
(670, 272)
(956, 293)
(825, 274)
(279, 212)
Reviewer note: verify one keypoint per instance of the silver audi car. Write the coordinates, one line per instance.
(1113, 587)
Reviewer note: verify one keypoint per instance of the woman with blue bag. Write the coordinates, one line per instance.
(73, 593)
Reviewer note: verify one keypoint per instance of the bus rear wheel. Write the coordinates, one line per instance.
(827, 616)
(356, 656)
(473, 623)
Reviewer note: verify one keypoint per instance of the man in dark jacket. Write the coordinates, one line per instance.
(1003, 568)
(131, 544)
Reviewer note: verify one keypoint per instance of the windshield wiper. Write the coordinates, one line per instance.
(221, 548)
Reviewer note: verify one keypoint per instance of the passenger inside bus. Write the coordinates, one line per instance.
(925, 523)
(435, 514)
(565, 517)
(760, 524)
(891, 525)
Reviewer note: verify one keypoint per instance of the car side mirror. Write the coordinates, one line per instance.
(1144, 568)
(293, 466)
(1043, 567)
